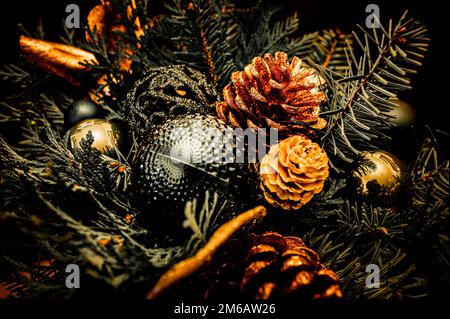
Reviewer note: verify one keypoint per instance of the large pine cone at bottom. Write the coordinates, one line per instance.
(272, 267)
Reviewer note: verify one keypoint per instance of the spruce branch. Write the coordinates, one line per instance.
(68, 35)
(330, 51)
(258, 34)
(378, 68)
(202, 221)
(200, 39)
(13, 73)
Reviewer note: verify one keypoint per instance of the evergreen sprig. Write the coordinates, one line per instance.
(379, 66)
(330, 48)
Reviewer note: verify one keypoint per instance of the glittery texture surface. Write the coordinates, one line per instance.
(273, 92)
(166, 92)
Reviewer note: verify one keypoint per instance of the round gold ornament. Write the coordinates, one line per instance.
(380, 176)
(106, 135)
(403, 116)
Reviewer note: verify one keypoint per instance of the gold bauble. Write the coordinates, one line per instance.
(403, 115)
(379, 176)
(106, 135)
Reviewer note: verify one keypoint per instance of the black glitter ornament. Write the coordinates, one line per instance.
(184, 158)
(81, 110)
(165, 93)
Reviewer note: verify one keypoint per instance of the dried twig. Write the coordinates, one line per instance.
(188, 266)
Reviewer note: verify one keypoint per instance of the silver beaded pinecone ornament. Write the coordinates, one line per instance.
(181, 160)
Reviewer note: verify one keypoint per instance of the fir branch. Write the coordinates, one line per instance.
(13, 73)
(201, 221)
(329, 51)
(200, 39)
(258, 35)
(53, 111)
(68, 37)
(39, 32)
(397, 278)
(368, 221)
(358, 102)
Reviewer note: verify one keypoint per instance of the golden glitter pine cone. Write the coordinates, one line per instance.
(271, 93)
(292, 172)
(275, 266)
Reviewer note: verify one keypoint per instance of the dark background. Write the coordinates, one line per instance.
(428, 96)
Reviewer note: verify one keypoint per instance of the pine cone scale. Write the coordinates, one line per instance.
(261, 252)
(261, 72)
(302, 279)
(265, 290)
(278, 66)
(272, 239)
(294, 261)
(243, 99)
(294, 243)
(276, 125)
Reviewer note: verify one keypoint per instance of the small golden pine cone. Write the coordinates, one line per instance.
(271, 92)
(292, 172)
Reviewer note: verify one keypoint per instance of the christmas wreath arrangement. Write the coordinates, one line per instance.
(118, 169)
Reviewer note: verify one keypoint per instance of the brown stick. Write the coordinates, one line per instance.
(188, 266)
(55, 58)
(330, 54)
